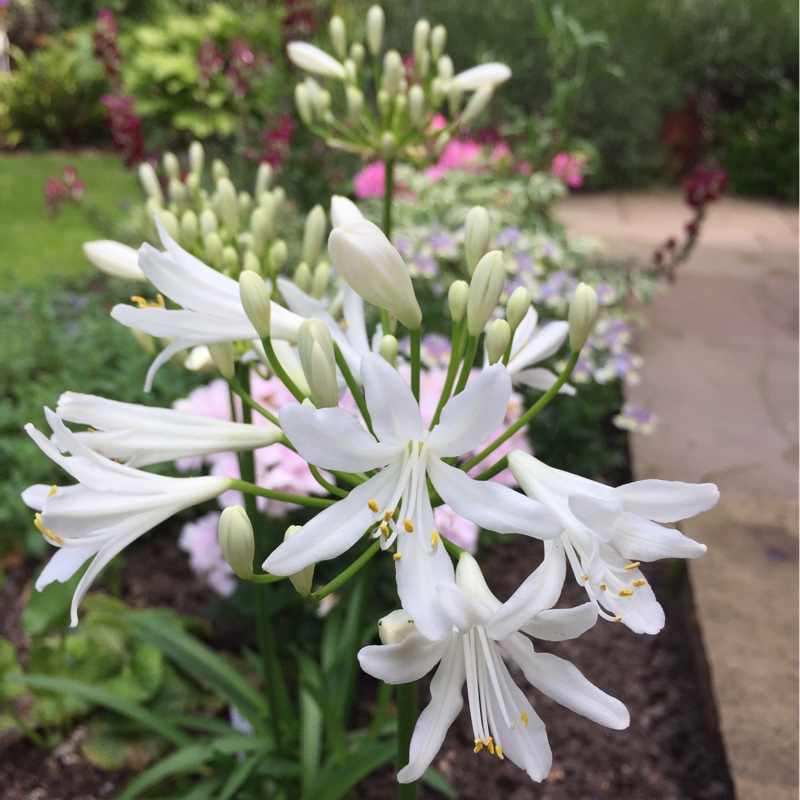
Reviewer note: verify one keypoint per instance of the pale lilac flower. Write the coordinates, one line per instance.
(636, 419)
(199, 540)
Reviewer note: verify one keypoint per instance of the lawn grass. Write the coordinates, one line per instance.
(32, 245)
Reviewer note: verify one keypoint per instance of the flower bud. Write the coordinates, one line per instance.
(251, 263)
(416, 105)
(178, 194)
(152, 207)
(300, 580)
(517, 307)
(367, 260)
(190, 228)
(149, 181)
(438, 41)
(230, 260)
(498, 337)
(483, 75)
(392, 69)
(422, 30)
(262, 220)
(357, 54)
(278, 254)
(457, 299)
(313, 60)
(302, 100)
(196, 157)
(376, 21)
(255, 301)
(170, 223)
(344, 210)
(263, 179)
(444, 68)
(476, 105)
(314, 234)
(338, 33)
(235, 534)
(303, 278)
(321, 279)
(214, 249)
(388, 145)
(394, 627)
(477, 229)
(222, 355)
(388, 349)
(454, 95)
(193, 184)
(228, 205)
(115, 258)
(484, 291)
(315, 346)
(172, 167)
(208, 222)
(355, 103)
(581, 316)
(245, 203)
(384, 101)
(219, 170)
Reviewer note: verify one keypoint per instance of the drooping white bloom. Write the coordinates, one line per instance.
(312, 59)
(503, 720)
(483, 75)
(608, 531)
(211, 305)
(394, 503)
(115, 258)
(368, 261)
(141, 435)
(532, 344)
(110, 506)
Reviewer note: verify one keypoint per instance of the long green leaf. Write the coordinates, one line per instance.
(201, 662)
(334, 782)
(238, 777)
(101, 697)
(437, 782)
(185, 760)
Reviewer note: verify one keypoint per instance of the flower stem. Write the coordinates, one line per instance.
(248, 400)
(352, 385)
(277, 367)
(458, 340)
(388, 189)
(302, 500)
(469, 360)
(406, 719)
(415, 359)
(345, 575)
(327, 485)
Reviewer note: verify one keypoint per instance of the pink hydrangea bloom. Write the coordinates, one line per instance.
(199, 540)
(569, 167)
(371, 181)
(461, 154)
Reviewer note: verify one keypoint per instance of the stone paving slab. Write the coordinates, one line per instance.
(721, 371)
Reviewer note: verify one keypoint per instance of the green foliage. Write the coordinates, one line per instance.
(60, 337)
(52, 97)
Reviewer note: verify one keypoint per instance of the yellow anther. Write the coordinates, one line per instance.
(385, 530)
(524, 718)
(478, 746)
(52, 491)
(373, 506)
(434, 538)
(388, 514)
(603, 587)
(139, 300)
(159, 301)
(490, 744)
(408, 525)
(397, 556)
(640, 582)
(142, 303)
(625, 592)
(498, 751)
(584, 577)
(633, 565)
(37, 521)
(617, 618)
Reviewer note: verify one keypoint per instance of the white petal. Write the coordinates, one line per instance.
(344, 210)
(538, 346)
(34, 496)
(63, 565)
(492, 505)
(563, 682)
(640, 539)
(598, 514)
(463, 612)
(312, 59)
(471, 417)
(333, 439)
(407, 661)
(667, 501)
(434, 721)
(541, 379)
(483, 75)
(394, 411)
(555, 624)
(115, 258)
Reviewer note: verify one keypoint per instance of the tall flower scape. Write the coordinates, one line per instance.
(393, 455)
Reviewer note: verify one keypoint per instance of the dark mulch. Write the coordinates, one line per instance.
(670, 752)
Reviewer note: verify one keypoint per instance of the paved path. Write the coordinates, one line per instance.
(721, 371)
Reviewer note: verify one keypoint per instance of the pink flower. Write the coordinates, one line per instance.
(371, 181)
(199, 540)
(569, 167)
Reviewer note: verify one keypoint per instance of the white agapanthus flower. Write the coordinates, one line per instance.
(312, 59)
(503, 720)
(211, 307)
(115, 258)
(395, 503)
(608, 531)
(142, 435)
(111, 505)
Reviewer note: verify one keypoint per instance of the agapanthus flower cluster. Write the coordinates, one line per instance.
(389, 454)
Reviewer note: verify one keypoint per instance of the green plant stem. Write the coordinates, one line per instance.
(302, 500)
(327, 485)
(388, 189)
(495, 469)
(352, 385)
(345, 575)
(248, 400)
(415, 336)
(527, 416)
(278, 369)
(406, 720)
(469, 360)
(459, 340)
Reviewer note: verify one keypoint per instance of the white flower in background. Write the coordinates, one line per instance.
(312, 59)
(115, 258)
(484, 75)
(532, 344)
(503, 719)
(111, 506)
(211, 310)
(395, 503)
(141, 435)
(607, 532)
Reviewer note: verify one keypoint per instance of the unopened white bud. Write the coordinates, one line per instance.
(245, 202)
(228, 205)
(302, 100)
(395, 627)
(438, 41)
(279, 193)
(222, 355)
(314, 234)
(230, 260)
(422, 64)
(457, 299)
(170, 223)
(149, 181)
(263, 179)
(315, 346)
(484, 291)
(251, 262)
(376, 21)
(193, 184)
(392, 69)
(313, 60)
(477, 230)
(454, 95)
(581, 316)
(208, 222)
(416, 105)
(262, 220)
(483, 75)
(476, 105)
(178, 193)
(388, 145)
(444, 68)
(517, 307)
(321, 279)
(197, 157)
(343, 210)
(355, 103)
(190, 228)
(357, 54)
(115, 258)
(255, 301)
(388, 349)
(300, 580)
(401, 102)
(384, 101)
(214, 249)
(338, 33)
(235, 534)
(422, 30)
(172, 167)
(278, 254)
(498, 337)
(219, 170)
(303, 278)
